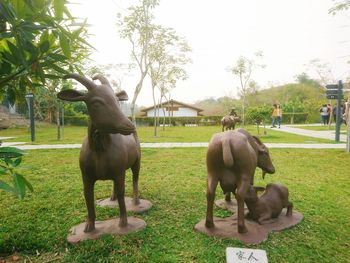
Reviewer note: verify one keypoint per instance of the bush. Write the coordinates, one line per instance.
(181, 121)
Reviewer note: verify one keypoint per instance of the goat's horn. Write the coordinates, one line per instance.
(83, 80)
(101, 78)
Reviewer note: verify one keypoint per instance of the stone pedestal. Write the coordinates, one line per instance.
(143, 206)
(110, 226)
(227, 227)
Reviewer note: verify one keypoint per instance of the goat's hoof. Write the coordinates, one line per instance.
(242, 229)
(209, 224)
(89, 226)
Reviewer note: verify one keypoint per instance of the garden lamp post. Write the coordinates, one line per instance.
(30, 101)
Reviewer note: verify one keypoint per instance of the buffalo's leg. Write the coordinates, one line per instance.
(89, 200)
(289, 209)
(228, 197)
(120, 185)
(211, 187)
(243, 187)
(114, 192)
(135, 182)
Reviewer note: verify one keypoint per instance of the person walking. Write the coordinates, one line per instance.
(279, 115)
(274, 115)
(324, 113)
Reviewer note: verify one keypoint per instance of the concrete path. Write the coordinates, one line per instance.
(328, 135)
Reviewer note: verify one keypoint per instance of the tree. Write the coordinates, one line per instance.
(137, 28)
(243, 69)
(339, 6)
(39, 41)
(323, 71)
(167, 56)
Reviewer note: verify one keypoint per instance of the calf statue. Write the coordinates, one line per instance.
(111, 146)
(270, 204)
(229, 122)
(232, 158)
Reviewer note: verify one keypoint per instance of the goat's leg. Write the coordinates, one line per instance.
(89, 199)
(223, 128)
(211, 187)
(120, 185)
(135, 182)
(243, 187)
(289, 209)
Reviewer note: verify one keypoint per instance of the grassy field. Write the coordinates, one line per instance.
(36, 228)
(73, 134)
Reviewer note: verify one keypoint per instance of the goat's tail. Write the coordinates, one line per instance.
(227, 154)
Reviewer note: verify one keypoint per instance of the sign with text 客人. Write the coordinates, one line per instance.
(245, 255)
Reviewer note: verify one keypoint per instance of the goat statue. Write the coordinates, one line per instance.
(111, 146)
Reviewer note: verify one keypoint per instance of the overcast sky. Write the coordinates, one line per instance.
(290, 33)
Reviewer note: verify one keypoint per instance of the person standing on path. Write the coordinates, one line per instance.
(279, 115)
(324, 113)
(274, 115)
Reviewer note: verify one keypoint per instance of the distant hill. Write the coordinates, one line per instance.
(309, 95)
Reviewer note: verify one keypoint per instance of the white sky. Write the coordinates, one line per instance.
(290, 33)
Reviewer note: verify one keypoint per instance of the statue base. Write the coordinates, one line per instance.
(143, 206)
(227, 227)
(110, 226)
(229, 205)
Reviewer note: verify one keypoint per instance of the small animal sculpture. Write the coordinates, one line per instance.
(232, 158)
(229, 122)
(269, 204)
(111, 146)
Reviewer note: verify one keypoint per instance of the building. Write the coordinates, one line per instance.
(174, 108)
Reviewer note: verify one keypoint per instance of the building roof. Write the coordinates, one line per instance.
(172, 103)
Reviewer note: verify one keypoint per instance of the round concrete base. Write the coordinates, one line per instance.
(110, 226)
(143, 206)
(227, 227)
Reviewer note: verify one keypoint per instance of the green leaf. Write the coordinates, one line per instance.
(10, 152)
(17, 162)
(44, 46)
(3, 170)
(64, 43)
(7, 187)
(19, 185)
(59, 8)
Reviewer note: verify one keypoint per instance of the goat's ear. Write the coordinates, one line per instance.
(71, 95)
(259, 188)
(122, 95)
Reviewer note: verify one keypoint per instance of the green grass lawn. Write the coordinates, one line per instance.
(73, 134)
(175, 181)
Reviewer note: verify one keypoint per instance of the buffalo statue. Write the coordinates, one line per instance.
(232, 158)
(229, 122)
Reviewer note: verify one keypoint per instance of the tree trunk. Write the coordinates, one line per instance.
(136, 94)
(155, 113)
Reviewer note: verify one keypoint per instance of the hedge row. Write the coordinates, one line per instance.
(83, 120)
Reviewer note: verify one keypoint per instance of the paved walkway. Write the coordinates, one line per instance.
(328, 135)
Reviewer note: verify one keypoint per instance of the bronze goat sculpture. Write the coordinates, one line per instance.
(232, 158)
(111, 146)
